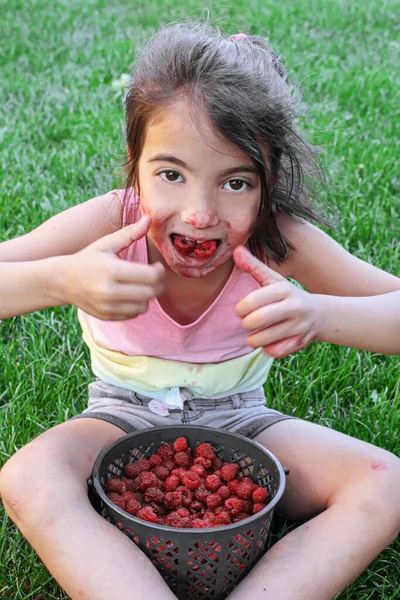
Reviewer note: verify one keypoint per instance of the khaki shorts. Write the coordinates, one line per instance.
(243, 413)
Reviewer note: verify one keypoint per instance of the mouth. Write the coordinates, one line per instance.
(194, 248)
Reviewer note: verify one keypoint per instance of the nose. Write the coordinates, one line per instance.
(200, 213)
(201, 219)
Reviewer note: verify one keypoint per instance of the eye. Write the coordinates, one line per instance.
(237, 186)
(170, 176)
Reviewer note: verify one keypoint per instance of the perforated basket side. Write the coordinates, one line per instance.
(196, 563)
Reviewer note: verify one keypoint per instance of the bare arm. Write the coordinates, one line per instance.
(351, 303)
(29, 265)
(369, 323)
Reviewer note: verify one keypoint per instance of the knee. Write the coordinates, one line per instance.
(376, 490)
(32, 484)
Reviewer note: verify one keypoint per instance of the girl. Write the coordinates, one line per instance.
(181, 285)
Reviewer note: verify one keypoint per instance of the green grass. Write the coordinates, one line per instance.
(61, 138)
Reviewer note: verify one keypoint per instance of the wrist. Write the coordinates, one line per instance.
(54, 280)
(324, 310)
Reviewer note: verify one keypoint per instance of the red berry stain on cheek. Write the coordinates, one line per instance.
(377, 465)
(238, 230)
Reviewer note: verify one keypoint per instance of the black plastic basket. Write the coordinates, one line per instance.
(199, 564)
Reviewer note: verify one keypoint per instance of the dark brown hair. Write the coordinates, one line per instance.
(245, 90)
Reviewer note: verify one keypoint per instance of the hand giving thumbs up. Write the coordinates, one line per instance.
(283, 317)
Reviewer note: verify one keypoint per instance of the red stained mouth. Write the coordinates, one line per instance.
(190, 247)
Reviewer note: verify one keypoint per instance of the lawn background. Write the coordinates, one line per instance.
(61, 142)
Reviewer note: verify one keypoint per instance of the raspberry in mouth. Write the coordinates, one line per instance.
(194, 248)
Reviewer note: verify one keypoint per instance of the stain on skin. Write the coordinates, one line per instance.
(199, 369)
(201, 219)
(377, 465)
(190, 369)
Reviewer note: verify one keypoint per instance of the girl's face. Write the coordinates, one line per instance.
(201, 191)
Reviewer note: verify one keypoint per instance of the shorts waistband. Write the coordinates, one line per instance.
(235, 401)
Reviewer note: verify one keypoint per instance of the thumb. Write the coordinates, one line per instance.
(121, 239)
(257, 269)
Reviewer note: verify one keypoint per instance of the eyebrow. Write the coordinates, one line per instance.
(181, 163)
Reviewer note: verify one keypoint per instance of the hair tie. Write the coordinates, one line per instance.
(238, 36)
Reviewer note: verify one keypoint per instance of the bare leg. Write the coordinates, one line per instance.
(44, 492)
(352, 491)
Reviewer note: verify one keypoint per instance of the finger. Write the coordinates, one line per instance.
(276, 333)
(121, 239)
(128, 272)
(257, 269)
(266, 316)
(290, 345)
(261, 297)
(135, 293)
(285, 347)
(124, 311)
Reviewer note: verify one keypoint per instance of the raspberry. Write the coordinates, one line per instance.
(160, 521)
(171, 483)
(224, 491)
(234, 505)
(128, 495)
(198, 524)
(229, 471)
(180, 444)
(117, 500)
(202, 493)
(183, 512)
(217, 463)
(212, 483)
(129, 483)
(132, 506)
(196, 505)
(191, 480)
(173, 499)
(155, 460)
(132, 470)
(179, 472)
(221, 510)
(159, 509)
(135, 487)
(182, 459)
(257, 507)
(147, 514)
(175, 520)
(240, 517)
(232, 485)
(209, 517)
(218, 473)
(114, 484)
(199, 470)
(160, 472)
(186, 494)
(245, 488)
(205, 451)
(247, 506)
(153, 494)
(143, 464)
(169, 464)
(205, 462)
(214, 500)
(165, 451)
(223, 519)
(259, 495)
(147, 480)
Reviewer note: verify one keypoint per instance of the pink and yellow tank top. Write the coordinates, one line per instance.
(153, 353)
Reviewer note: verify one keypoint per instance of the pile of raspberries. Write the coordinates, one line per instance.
(181, 488)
